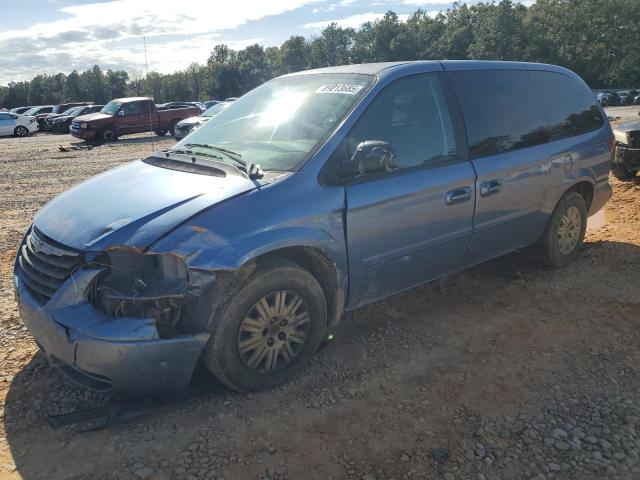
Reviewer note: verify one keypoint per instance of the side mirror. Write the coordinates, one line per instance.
(121, 113)
(371, 156)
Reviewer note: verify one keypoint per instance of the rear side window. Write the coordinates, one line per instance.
(570, 108)
(501, 113)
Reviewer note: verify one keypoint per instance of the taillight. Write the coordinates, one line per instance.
(612, 147)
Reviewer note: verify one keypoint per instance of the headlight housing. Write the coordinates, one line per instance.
(141, 285)
(84, 125)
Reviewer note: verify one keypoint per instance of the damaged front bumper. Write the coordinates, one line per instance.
(103, 353)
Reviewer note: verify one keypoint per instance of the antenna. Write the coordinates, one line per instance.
(144, 39)
(146, 62)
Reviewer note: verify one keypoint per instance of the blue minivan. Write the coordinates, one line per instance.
(315, 193)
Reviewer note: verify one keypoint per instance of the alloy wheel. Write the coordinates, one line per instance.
(569, 230)
(273, 331)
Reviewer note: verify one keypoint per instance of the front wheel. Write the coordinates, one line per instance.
(172, 128)
(21, 131)
(565, 232)
(269, 329)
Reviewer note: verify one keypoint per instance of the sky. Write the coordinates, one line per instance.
(51, 36)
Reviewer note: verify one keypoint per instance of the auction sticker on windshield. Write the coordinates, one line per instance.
(346, 88)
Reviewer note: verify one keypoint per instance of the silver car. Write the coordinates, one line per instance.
(184, 127)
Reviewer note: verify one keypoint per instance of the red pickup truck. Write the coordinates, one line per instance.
(124, 116)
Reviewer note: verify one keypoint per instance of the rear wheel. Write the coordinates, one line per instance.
(565, 232)
(107, 134)
(621, 173)
(21, 131)
(269, 329)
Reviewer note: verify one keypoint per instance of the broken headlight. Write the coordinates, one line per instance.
(141, 285)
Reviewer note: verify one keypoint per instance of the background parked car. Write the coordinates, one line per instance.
(626, 97)
(184, 127)
(40, 113)
(39, 110)
(124, 116)
(16, 124)
(61, 122)
(20, 110)
(167, 105)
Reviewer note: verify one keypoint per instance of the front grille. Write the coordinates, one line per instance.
(75, 124)
(45, 264)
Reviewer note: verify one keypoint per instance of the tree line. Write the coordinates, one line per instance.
(598, 39)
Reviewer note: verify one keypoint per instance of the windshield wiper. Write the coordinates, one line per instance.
(252, 170)
(186, 151)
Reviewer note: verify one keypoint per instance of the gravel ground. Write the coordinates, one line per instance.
(506, 371)
(624, 114)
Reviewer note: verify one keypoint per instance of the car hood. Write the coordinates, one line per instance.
(194, 120)
(133, 205)
(90, 117)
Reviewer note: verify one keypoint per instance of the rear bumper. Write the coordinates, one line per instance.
(104, 353)
(629, 157)
(83, 133)
(601, 195)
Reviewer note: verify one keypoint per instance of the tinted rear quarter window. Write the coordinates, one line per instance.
(501, 113)
(570, 108)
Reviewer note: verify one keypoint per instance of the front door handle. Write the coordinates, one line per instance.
(457, 195)
(490, 187)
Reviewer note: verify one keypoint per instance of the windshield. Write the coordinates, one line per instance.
(72, 111)
(111, 108)
(282, 122)
(215, 109)
(31, 111)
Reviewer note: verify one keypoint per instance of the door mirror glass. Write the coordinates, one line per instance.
(370, 156)
(121, 113)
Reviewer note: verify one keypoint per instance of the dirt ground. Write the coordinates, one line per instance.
(507, 371)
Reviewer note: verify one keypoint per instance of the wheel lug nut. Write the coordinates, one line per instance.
(283, 322)
(282, 336)
(270, 342)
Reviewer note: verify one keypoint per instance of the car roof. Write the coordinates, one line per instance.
(130, 99)
(378, 68)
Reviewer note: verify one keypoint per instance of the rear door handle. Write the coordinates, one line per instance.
(490, 187)
(457, 195)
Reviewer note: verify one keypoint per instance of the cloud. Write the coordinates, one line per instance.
(110, 34)
(353, 21)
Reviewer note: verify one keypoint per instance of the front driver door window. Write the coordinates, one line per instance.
(401, 229)
(131, 121)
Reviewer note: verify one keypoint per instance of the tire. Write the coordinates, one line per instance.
(160, 133)
(172, 128)
(244, 334)
(107, 135)
(621, 173)
(21, 131)
(564, 234)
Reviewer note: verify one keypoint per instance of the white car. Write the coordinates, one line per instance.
(18, 125)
